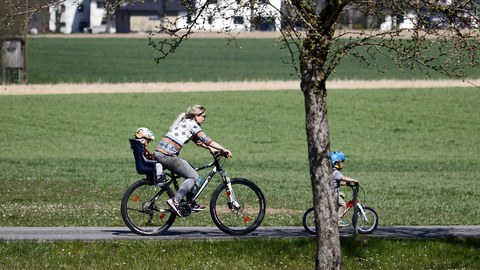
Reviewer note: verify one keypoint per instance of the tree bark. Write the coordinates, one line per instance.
(328, 242)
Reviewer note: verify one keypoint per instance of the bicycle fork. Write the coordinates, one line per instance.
(232, 199)
(362, 212)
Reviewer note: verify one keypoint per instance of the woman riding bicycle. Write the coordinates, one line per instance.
(186, 127)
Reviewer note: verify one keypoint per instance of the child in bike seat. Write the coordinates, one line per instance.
(338, 162)
(145, 136)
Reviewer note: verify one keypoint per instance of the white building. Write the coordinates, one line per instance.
(73, 16)
(99, 18)
(236, 15)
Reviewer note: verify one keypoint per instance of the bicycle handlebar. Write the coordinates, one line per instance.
(354, 184)
(218, 154)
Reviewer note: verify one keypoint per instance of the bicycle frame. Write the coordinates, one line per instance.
(207, 180)
(350, 204)
(209, 177)
(217, 168)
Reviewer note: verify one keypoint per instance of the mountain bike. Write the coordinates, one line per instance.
(237, 205)
(364, 222)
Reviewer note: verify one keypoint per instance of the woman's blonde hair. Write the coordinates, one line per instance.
(192, 111)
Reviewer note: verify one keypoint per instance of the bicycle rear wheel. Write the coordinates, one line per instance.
(243, 215)
(308, 221)
(144, 208)
(368, 225)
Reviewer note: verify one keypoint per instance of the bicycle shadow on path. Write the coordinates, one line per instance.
(206, 233)
(392, 232)
(423, 232)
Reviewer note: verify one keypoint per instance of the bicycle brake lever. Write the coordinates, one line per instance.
(217, 155)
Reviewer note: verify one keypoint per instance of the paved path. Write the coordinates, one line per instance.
(202, 233)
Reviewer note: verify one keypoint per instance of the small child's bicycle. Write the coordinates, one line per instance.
(365, 221)
(237, 205)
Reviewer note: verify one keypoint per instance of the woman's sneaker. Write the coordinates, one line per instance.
(197, 207)
(174, 205)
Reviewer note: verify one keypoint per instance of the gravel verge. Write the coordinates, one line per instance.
(39, 89)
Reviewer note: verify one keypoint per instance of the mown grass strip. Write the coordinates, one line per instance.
(359, 253)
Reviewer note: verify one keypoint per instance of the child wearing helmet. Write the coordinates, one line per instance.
(338, 162)
(145, 136)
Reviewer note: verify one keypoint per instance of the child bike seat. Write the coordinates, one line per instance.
(143, 165)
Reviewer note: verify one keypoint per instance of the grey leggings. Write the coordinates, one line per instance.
(181, 167)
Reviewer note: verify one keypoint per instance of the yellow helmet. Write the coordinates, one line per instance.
(144, 133)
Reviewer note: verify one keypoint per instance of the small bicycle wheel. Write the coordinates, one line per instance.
(308, 221)
(241, 216)
(368, 225)
(144, 208)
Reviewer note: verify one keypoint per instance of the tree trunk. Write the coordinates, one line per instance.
(318, 140)
(108, 27)
(58, 17)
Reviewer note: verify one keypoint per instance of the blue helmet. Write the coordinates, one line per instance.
(337, 156)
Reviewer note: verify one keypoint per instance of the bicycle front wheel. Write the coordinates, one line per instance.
(238, 211)
(144, 208)
(369, 223)
(308, 221)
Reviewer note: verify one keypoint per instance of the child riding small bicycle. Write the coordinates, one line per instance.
(338, 162)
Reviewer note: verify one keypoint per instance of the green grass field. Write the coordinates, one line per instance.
(117, 60)
(299, 254)
(409, 148)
